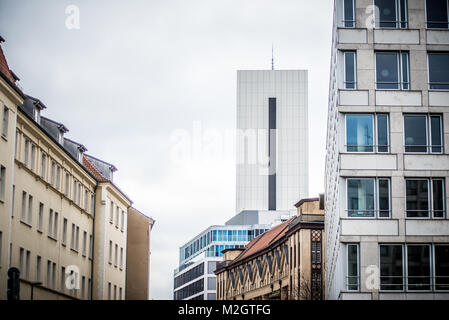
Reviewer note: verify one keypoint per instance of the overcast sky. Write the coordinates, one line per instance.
(137, 72)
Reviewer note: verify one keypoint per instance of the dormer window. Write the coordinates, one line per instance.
(80, 156)
(37, 115)
(61, 137)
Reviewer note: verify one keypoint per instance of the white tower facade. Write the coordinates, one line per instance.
(272, 139)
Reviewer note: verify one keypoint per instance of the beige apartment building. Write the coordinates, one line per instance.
(285, 263)
(63, 221)
(138, 255)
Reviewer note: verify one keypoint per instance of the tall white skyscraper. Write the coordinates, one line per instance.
(272, 139)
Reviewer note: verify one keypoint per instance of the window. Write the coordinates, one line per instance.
(425, 198)
(2, 183)
(316, 252)
(92, 204)
(33, 158)
(21, 266)
(110, 252)
(40, 217)
(84, 243)
(418, 267)
(439, 70)
(72, 241)
(391, 269)
(27, 153)
(367, 133)
(392, 71)
(353, 278)
(437, 14)
(30, 209)
(392, 13)
(117, 212)
(91, 243)
(441, 267)
(111, 216)
(24, 204)
(67, 184)
(55, 226)
(38, 268)
(62, 285)
(368, 197)
(83, 284)
(43, 165)
(109, 291)
(350, 68)
(50, 223)
(27, 265)
(77, 238)
(88, 289)
(348, 14)
(53, 174)
(423, 133)
(123, 221)
(120, 294)
(115, 292)
(86, 199)
(115, 255)
(48, 279)
(1, 246)
(121, 258)
(64, 231)
(5, 121)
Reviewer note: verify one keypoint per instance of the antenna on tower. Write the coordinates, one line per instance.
(272, 57)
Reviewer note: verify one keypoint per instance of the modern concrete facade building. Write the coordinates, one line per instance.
(195, 278)
(285, 263)
(138, 255)
(387, 162)
(63, 221)
(272, 139)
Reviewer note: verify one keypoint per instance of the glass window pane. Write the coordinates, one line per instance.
(359, 133)
(382, 133)
(438, 198)
(418, 265)
(436, 14)
(435, 131)
(387, 70)
(439, 71)
(442, 267)
(350, 70)
(349, 13)
(360, 197)
(384, 198)
(387, 13)
(391, 270)
(405, 80)
(417, 197)
(353, 267)
(415, 130)
(404, 16)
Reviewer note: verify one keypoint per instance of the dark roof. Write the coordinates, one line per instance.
(300, 202)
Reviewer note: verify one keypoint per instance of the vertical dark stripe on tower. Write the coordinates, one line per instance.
(272, 153)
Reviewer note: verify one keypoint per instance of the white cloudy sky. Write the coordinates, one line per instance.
(137, 71)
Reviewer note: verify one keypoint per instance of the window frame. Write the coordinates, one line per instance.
(400, 65)
(358, 277)
(375, 132)
(404, 267)
(398, 22)
(376, 210)
(428, 145)
(427, 22)
(430, 199)
(353, 15)
(428, 66)
(344, 69)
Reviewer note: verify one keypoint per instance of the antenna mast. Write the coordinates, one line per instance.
(272, 57)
